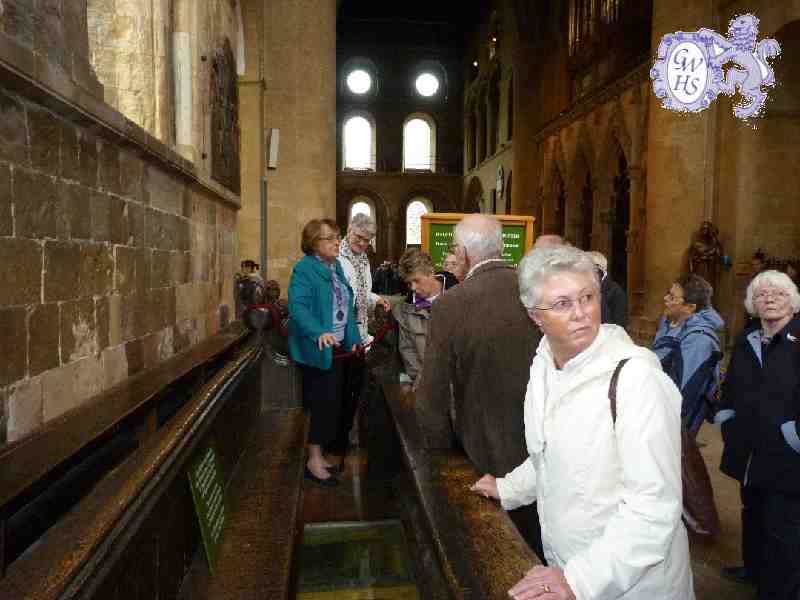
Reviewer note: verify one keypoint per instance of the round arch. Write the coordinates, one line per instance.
(415, 208)
(419, 145)
(358, 153)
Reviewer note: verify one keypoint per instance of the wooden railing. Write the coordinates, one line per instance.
(480, 551)
(102, 497)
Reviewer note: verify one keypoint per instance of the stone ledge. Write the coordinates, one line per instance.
(37, 79)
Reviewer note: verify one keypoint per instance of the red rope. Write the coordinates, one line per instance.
(360, 350)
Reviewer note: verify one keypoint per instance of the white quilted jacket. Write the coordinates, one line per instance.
(609, 497)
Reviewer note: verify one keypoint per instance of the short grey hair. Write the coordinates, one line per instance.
(481, 236)
(774, 279)
(541, 263)
(548, 240)
(364, 224)
(599, 259)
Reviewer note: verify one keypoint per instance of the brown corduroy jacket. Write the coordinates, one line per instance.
(481, 342)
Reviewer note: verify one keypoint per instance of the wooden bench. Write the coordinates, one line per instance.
(134, 533)
(481, 553)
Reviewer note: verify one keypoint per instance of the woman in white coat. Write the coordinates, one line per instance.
(608, 489)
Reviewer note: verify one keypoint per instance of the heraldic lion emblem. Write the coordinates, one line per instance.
(751, 70)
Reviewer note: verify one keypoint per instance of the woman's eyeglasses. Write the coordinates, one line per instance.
(567, 305)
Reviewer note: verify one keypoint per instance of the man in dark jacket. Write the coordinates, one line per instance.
(614, 300)
(480, 345)
(760, 414)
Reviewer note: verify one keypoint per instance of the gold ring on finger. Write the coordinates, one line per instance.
(546, 588)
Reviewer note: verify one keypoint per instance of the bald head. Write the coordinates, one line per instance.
(550, 240)
(481, 236)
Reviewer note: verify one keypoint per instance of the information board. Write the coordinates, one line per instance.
(208, 492)
(438, 228)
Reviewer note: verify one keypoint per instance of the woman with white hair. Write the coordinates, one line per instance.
(355, 264)
(760, 409)
(602, 428)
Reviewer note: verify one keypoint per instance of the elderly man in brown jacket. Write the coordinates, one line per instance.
(481, 344)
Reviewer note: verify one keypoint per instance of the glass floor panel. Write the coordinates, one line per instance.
(355, 561)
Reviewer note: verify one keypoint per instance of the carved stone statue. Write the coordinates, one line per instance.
(705, 253)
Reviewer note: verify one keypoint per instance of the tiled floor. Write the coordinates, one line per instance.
(358, 500)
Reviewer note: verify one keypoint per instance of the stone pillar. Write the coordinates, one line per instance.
(184, 82)
(636, 242)
(480, 135)
(251, 115)
(469, 142)
(299, 101)
(527, 161)
(676, 153)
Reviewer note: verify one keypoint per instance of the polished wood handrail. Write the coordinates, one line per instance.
(481, 553)
(27, 461)
(73, 551)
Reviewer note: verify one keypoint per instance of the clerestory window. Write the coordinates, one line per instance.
(419, 144)
(358, 142)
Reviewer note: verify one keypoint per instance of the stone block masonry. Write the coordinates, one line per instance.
(111, 260)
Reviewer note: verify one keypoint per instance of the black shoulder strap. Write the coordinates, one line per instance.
(612, 389)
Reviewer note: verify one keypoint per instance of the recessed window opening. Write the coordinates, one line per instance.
(359, 81)
(427, 84)
(417, 147)
(358, 144)
(416, 208)
(360, 207)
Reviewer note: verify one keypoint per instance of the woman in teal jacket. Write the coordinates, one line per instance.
(321, 323)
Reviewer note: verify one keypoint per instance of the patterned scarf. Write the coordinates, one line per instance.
(360, 263)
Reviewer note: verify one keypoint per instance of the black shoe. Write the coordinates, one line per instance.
(327, 482)
(737, 574)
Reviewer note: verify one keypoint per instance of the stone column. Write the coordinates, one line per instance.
(676, 153)
(251, 116)
(184, 81)
(469, 142)
(299, 101)
(636, 242)
(480, 135)
(527, 164)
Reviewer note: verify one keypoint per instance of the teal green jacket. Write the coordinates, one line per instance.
(311, 312)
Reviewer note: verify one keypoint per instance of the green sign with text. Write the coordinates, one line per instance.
(208, 492)
(441, 239)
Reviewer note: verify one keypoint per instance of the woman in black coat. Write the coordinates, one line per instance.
(759, 415)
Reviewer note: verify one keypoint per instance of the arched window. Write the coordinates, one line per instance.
(419, 144)
(359, 144)
(360, 207)
(414, 211)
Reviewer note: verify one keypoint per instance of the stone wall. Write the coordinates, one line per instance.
(110, 264)
(115, 254)
(131, 47)
(48, 38)
(155, 61)
(488, 112)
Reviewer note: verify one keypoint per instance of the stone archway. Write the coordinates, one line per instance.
(582, 187)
